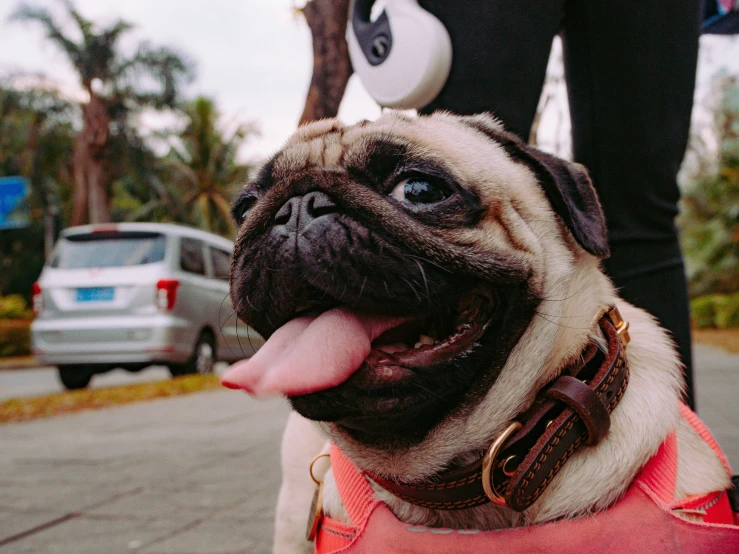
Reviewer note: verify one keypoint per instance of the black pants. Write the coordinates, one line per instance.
(630, 69)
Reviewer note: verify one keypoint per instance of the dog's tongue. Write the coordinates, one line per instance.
(309, 354)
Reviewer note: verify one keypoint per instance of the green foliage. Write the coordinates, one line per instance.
(710, 218)
(119, 85)
(703, 311)
(715, 311)
(14, 306)
(15, 338)
(36, 142)
(203, 168)
(193, 184)
(727, 312)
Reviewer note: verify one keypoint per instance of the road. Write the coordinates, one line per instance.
(15, 383)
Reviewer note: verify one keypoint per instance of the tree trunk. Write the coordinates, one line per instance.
(79, 195)
(97, 193)
(332, 67)
(90, 194)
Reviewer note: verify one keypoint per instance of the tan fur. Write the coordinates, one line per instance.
(520, 224)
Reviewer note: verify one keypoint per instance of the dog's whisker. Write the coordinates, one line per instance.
(559, 324)
(542, 299)
(429, 261)
(425, 283)
(222, 325)
(361, 289)
(428, 390)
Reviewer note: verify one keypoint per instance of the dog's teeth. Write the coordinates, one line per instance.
(423, 340)
(392, 348)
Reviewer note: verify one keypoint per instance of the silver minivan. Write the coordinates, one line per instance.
(135, 294)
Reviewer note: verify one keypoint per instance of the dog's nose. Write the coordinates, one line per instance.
(300, 211)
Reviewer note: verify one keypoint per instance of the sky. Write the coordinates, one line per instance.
(254, 58)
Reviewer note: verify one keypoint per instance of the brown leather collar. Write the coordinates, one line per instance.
(572, 411)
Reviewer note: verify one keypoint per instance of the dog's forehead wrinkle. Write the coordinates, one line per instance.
(376, 153)
(294, 157)
(316, 129)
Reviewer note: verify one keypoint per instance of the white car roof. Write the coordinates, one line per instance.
(164, 228)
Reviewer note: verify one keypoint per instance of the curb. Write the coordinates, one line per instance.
(20, 362)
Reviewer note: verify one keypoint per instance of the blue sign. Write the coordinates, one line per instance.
(13, 205)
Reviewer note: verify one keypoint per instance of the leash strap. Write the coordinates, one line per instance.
(354, 489)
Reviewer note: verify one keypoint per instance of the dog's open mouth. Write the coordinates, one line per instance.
(318, 351)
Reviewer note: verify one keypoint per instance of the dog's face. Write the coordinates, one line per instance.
(396, 265)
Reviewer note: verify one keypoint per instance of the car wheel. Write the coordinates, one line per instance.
(74, 377)
(203, 357)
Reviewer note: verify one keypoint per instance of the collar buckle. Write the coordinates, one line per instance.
(488, 463)
(622, 326)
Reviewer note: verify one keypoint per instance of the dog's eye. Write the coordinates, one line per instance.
(242, 207)
(420, 190)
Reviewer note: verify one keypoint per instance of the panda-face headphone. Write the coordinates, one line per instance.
(403, 57)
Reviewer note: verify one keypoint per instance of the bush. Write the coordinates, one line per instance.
(703, 311)
(15, 337)
(14, 306)
(727, 311)
(709, 220)
(715, 311)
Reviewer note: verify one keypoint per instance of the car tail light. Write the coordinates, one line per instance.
(105, 229)
(167, 293)
(37, 299)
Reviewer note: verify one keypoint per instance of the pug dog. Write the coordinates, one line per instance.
(419, 280)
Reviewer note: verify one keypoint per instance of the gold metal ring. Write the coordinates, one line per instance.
(488, 463)
(313, 461)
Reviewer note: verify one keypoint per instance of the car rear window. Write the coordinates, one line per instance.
(221, 264)
(191, 256)
(109, 249)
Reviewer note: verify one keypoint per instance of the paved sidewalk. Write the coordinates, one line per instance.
(717, 388)
(194, 474)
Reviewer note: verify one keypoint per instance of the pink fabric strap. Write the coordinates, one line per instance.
(705, 434)
(354, 489)
(660, 473)
(642, 521)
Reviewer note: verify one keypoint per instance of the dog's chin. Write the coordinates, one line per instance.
(419, 373)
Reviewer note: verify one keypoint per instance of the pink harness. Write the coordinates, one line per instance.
(644, 520)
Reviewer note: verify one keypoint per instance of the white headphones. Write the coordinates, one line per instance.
(403, 57)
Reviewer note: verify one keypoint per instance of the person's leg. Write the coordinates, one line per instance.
(630, 69)
(500, 53)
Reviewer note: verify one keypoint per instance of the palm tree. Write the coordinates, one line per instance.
(204, 167)
(117, 87)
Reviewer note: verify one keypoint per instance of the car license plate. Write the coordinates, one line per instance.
(95, 294)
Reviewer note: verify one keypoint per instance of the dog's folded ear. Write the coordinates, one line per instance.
(572, 195)
(566, 184)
